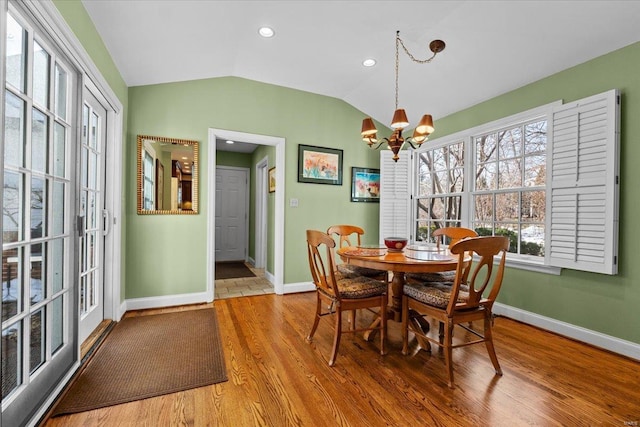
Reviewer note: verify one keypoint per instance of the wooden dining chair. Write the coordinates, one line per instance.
(342, 293)
(470, 298)
(345, 234)
(443, 235)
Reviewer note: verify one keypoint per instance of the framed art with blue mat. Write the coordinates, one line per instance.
(365, 185)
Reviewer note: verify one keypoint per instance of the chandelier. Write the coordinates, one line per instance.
(425, 127)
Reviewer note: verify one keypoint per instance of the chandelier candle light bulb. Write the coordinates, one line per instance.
(399, 122)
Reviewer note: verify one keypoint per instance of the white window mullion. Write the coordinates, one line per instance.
(28, 179)
(469, 182)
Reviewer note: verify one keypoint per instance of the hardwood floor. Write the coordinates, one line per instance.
(277, 379)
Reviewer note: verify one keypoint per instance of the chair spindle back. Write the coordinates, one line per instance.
(479, 275)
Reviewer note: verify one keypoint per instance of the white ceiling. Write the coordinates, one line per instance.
(492, 46)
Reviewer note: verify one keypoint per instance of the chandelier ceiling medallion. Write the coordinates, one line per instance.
(425, 127)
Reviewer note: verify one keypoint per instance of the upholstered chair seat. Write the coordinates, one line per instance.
(354, 270)
(436, 294)
(441, 277)
(339, 292)
(354, 287)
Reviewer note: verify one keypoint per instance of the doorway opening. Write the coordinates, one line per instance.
(277, 275)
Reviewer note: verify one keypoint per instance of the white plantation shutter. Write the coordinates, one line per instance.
(395, 195)
(582, 185)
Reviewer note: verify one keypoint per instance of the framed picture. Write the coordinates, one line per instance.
(319, 165)
(272, 180)
(365, 185)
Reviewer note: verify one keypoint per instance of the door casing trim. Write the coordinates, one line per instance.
(279, 143)
(261, 213)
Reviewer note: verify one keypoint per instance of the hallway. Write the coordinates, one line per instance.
(245, 286)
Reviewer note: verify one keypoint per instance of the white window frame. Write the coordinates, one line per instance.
(473, 191)
(416, 190)
(48, 177)
(468, 136)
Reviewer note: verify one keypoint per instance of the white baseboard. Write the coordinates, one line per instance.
(270, 277)
(123, 310)
(167, 301)
(290, 288)
(607, 342)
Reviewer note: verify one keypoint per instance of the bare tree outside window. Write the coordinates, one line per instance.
(440, 187)
(509, 195)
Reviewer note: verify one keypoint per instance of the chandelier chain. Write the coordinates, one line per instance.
(413, 58)
(399, 43)
(397, 66)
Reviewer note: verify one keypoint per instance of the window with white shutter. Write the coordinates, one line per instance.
(395, 195)
(562, 199)
(583, 185)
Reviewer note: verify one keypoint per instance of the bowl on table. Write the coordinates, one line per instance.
(395, 244)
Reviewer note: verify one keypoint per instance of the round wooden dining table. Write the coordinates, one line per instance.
(422, 259)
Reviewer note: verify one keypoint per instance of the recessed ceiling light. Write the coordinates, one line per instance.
(266, 32)
(229, 141)
(369, 62)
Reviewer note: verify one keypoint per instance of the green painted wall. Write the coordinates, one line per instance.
(187, 110)
(82, 26)
(608, 304)
(238, 160)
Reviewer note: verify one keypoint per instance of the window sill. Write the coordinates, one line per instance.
(533, 266)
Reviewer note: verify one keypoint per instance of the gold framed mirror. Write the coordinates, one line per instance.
(167, 176)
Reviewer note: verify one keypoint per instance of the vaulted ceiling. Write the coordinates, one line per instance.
(319, 46)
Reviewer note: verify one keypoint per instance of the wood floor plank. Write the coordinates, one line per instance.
(276, 378)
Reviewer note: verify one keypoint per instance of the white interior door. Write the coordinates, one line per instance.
(91, 285)
(232, 206)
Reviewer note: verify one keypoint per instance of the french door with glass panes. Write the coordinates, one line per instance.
(39, 302)
(91, 219)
